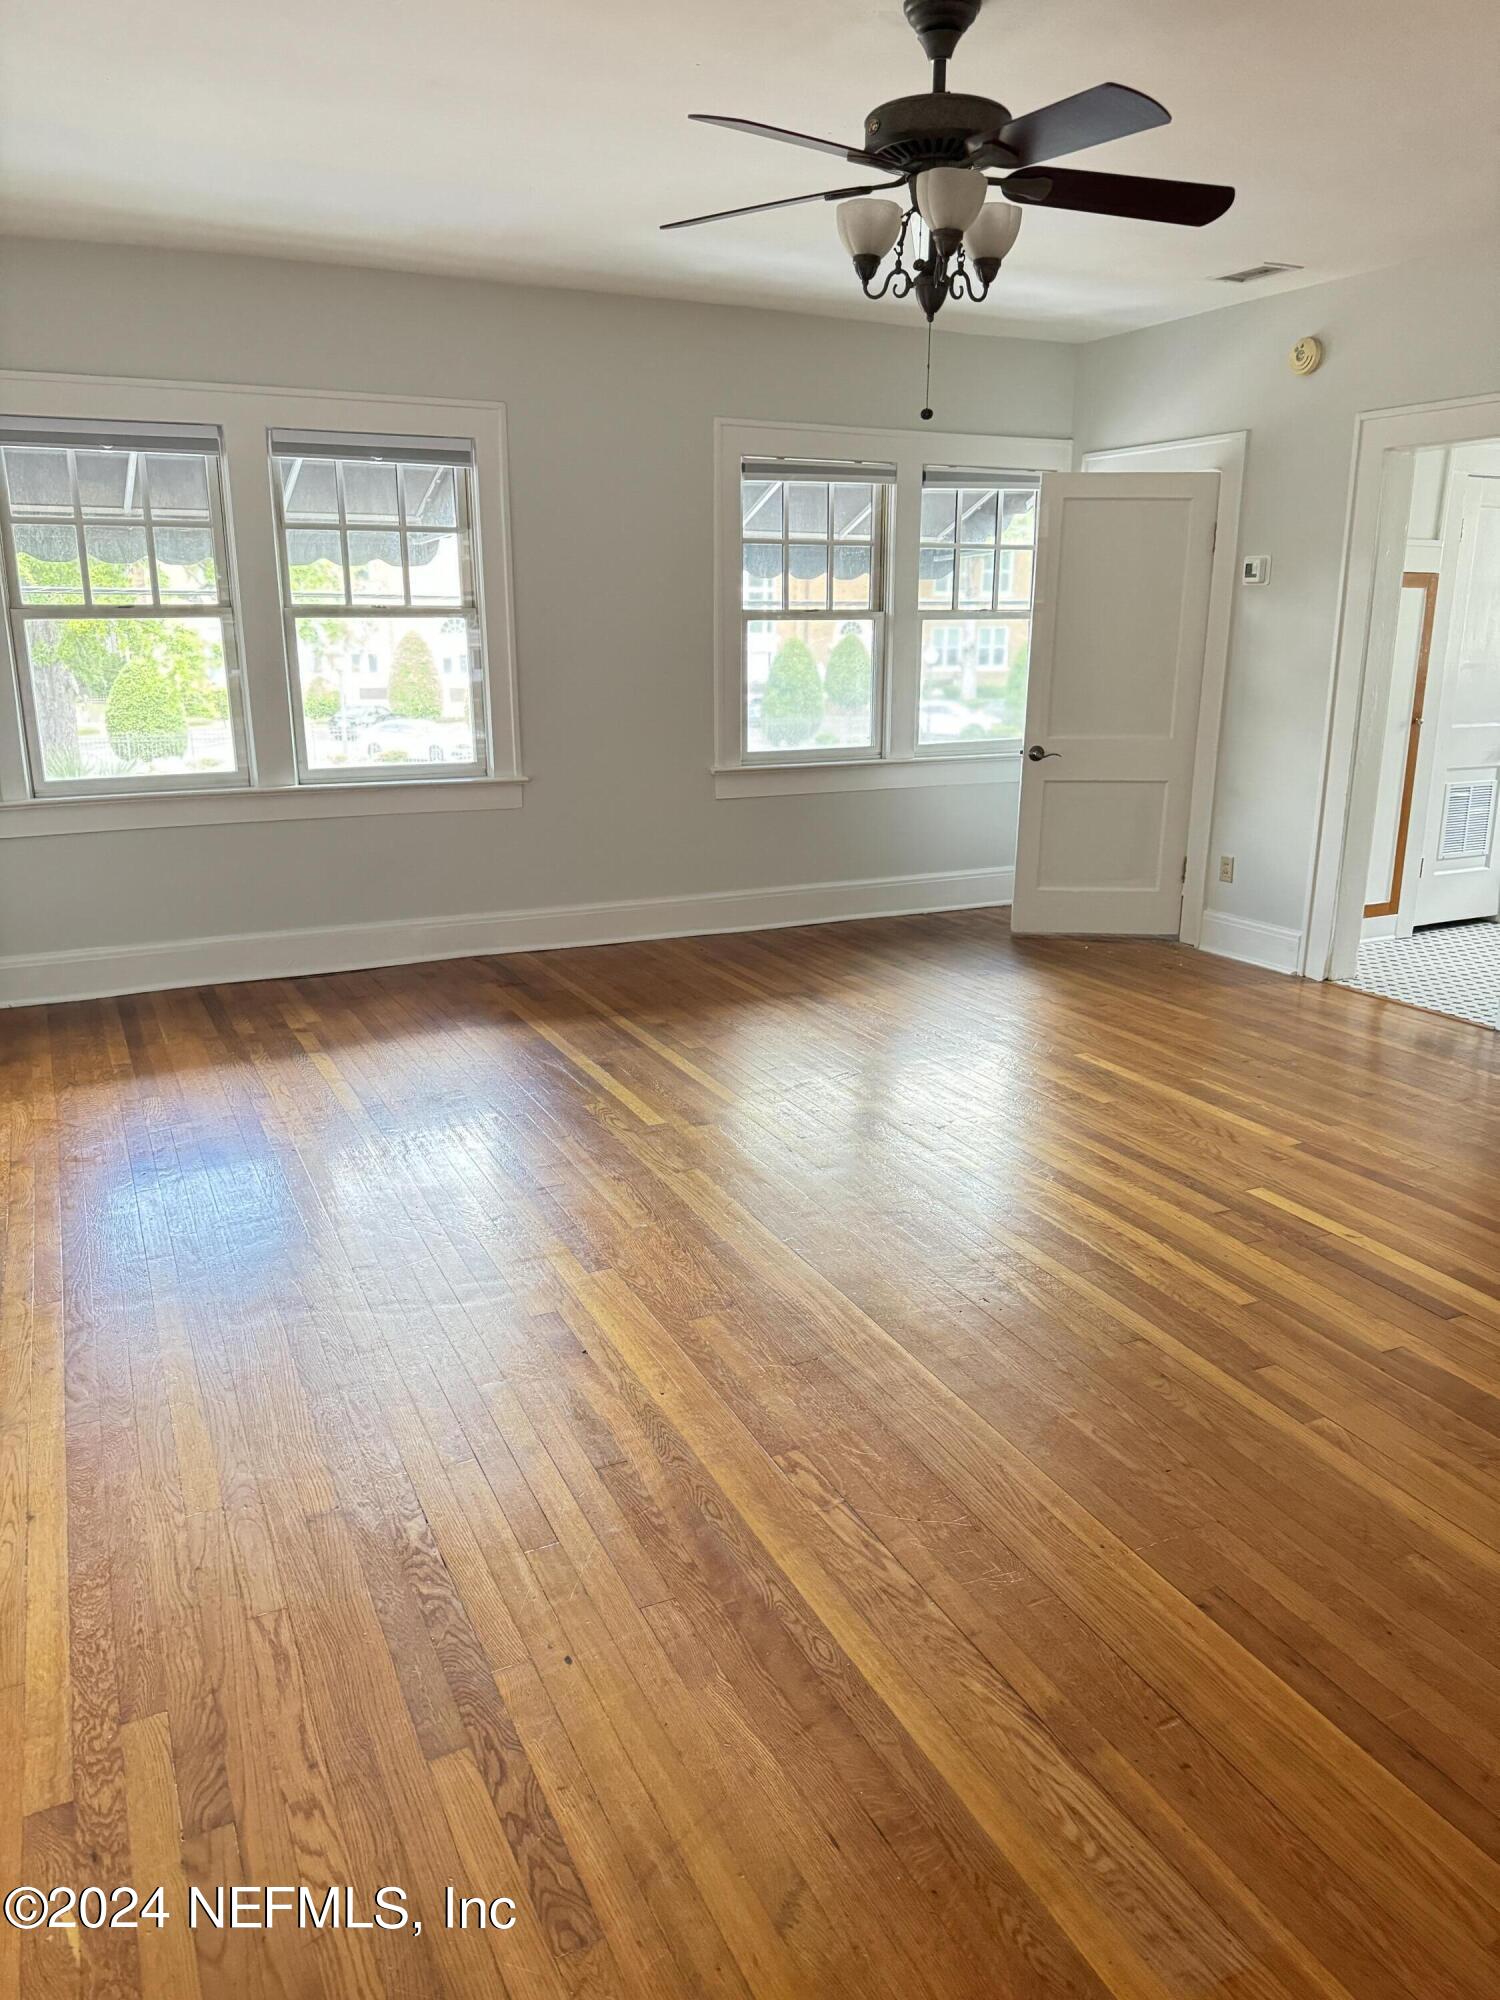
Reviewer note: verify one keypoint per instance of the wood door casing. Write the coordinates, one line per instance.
(1427, 582)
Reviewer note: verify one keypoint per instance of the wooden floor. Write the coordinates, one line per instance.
(876, 1462)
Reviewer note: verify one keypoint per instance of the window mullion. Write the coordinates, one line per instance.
(401, 533)
(252, 549)
(15, 786)
(338, 481)
(79, 529)
(903, 635)
(148, 531)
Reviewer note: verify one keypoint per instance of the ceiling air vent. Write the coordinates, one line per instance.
(1254, 272)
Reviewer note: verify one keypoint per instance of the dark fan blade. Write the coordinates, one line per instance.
(787, 138)
(791, 201)
(1189, 202)
(1109, 111)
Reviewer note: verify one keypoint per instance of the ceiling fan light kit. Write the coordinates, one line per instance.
(941, 147)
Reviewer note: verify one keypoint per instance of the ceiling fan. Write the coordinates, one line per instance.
(941, 146)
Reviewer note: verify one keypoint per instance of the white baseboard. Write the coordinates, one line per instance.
(1270, 945)
(97, 974)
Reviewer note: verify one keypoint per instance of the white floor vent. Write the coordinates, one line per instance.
(1468, 809)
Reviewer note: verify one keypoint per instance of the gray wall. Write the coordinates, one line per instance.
(611, 404)
(1419, 334)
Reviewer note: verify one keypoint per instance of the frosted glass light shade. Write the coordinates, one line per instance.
(868, 228)
(993, 230)
(950, 197)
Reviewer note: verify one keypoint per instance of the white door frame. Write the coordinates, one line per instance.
(1360, 681)
(1223, 453)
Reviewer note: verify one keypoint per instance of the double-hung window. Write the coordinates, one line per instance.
(875, 596)
(380, 602)
(122, 627)
(812, 604)
(978, 540)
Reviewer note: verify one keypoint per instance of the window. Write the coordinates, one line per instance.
(380, 604)
(228, 604)
(976, 550)
(121, 617)
(874, 606)
(813, 551)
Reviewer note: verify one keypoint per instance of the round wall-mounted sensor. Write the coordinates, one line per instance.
(1307, 355)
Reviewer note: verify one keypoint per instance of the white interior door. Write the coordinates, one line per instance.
(1460, 866)
(1124, 567)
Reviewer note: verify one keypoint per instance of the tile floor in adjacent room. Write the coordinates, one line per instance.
(1450, 969)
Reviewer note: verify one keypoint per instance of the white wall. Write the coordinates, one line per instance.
(611, 403)
(1413, 335)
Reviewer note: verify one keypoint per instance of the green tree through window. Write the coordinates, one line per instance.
(793, 705)
(416, 691)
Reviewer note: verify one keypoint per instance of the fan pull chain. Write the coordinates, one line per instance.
(927, 393)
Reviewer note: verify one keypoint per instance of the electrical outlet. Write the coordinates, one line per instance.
(1226, 867)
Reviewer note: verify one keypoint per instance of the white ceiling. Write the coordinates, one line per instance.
(545, 141)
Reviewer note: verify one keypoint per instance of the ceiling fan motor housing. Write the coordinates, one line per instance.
(933, 130)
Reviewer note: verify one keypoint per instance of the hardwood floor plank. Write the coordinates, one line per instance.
(882, 1459)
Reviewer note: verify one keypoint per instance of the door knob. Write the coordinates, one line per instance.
(1036, 753)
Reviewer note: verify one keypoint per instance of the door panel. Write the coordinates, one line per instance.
(1108, 831)
(1124, 565)
(1460, 876)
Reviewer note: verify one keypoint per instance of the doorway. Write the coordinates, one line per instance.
(1419, 920)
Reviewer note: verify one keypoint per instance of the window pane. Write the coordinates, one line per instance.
(309, 489)
(976, 514)
(1018, 515)
(938, 505)
(1014, 581)
(107, 481)
(47, 564)
(809, 684)
(436, 576)
(851, 576)
(935, 579)
(806, 507)
(130, 697)
(382, 692)
(973, 679)
(807, 576)
(315, 564)
(853, 513)
(429, 496)
(760, 582)
(185, 566)
(37, 479)
(760, 506)
(976, 578)
(375, 566)
(178, 483)
(369, 490)
(119, 572)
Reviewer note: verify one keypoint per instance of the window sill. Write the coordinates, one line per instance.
(135, 813)
(756, 781)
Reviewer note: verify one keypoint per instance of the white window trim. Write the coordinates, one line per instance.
(244, 417)
(897, 763)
